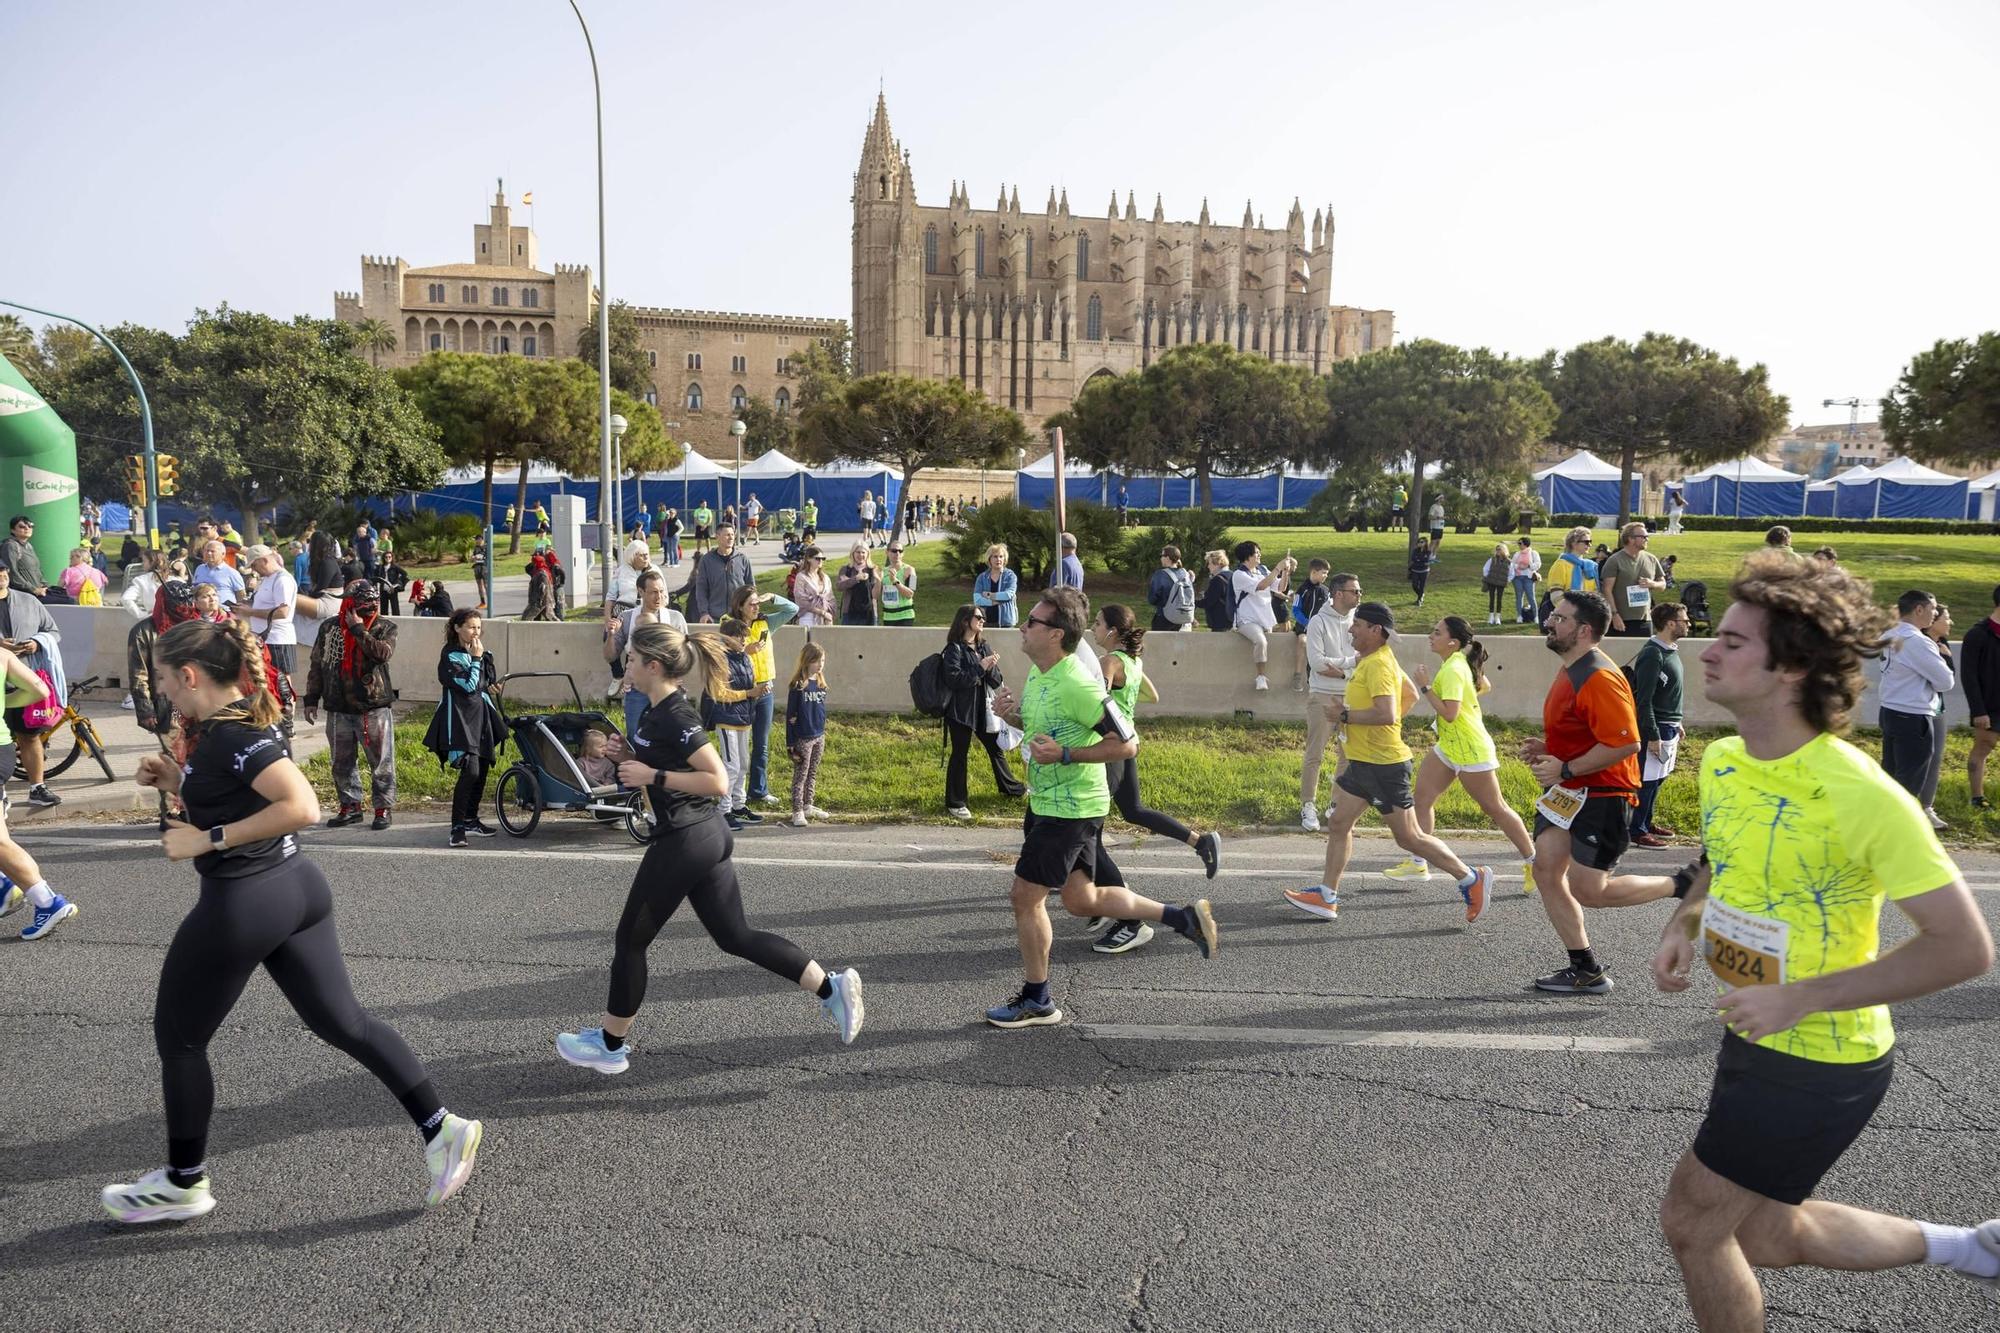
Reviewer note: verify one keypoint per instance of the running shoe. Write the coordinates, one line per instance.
(1527, 876)
(1123, 937)
(39, 794)
(1022, 1012)
(48, 918)
(10, 902)
(1408, 869)
(748, 816)
(1480, 895)
(1937, 820)
(1209, 848)
(154, 1198)
(769, 798)
(457, 838)
(587, 1048)
(1201, 928)
(798, 819)
(1978, 803)
(814, 812)
(1095, 924)
(959, 812)
(1319, 901)
(450, 1156)
(481, 830)
(1263, 683)
(1570, 981)
(1309, 818)
(844, 1006)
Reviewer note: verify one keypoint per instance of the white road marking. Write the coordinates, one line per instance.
(1451, 1041)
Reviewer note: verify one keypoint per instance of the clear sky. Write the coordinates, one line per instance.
(1811, 185)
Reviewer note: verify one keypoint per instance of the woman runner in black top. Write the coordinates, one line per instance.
(688, 857)
(261, 904)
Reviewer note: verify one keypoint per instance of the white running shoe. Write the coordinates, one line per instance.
(844, 1006)
(450, 1157)
(1937, 820)
(1409, 869)
(798, 819)
(1262, 683)
(814, 812)
(154, 1198)
(1309, 818)
(959, 812)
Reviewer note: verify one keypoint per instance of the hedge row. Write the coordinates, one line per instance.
(1294, 518)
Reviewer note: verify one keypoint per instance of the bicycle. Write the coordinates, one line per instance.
(84, 738)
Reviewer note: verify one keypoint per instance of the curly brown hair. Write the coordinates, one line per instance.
(1819, 619)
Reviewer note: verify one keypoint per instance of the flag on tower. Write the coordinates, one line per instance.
(528, 198)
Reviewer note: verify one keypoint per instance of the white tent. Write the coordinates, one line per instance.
(773, 465)
(1746, 487)
(694, 465)
(1583, 483)
(1982, 499)
(1902, 488)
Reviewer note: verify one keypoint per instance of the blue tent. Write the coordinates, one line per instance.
(1820, 499)
(1154, 492)
(1905, 488)
(1035, 484)
(837, 492)
(1582, 484)
(1746, 488)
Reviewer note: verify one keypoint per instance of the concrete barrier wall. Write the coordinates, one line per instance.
(1198, 674)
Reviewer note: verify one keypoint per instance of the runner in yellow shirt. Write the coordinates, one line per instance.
(1464, 753)
(1378, 773)
(1805, 837)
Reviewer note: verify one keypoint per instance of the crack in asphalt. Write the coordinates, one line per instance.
(1139, 1298)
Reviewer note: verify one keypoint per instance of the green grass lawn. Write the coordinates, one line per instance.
(1209, 774)
(1961, 571)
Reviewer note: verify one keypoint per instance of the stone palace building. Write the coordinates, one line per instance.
(1025, 307)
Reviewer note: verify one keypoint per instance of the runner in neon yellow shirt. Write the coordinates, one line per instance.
(1806, 837)
(1464, 753)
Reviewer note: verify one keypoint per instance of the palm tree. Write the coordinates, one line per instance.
(17, 340)
(377, 337)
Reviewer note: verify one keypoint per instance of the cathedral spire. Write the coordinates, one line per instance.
(1159, 213)
(1052, 201)
(1249, 219)
(1131, 213)
(1112, 212)
(1204, 211)
(1014, 200)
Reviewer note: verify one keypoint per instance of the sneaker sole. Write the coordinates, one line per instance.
(598, 1065)
(1142, 936)
(1321, 911)
(1407, 879)
(1215, 864)
(1204, 919)
(1604, 989)
(462, 1170)
(857, 1009)
(166, 1212)
(1027, 1021)
(1481, 896)
(69, 910)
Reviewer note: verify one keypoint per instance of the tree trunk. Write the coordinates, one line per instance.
(1625, 465)
(1203, 484)
(520, 508)
(1415, 516)
(249, 506)
(909, 470)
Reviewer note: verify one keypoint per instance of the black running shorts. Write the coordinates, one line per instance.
(1599, 834)
(1777, 1123)
(1054, 848)
(1384, 786)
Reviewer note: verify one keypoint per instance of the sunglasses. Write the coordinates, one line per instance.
(1045, 624)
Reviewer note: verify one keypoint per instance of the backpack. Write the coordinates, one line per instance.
(1180, 598)
(88, 595)
(927, 691)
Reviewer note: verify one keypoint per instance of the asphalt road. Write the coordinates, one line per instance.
(1204, 1144)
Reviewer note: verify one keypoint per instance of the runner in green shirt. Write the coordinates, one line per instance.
(899, 589)
(1073, 731)
(704, 524)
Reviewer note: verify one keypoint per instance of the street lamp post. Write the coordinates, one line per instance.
(604, 474)
(145, 414)
(739, 430)
(618, 424)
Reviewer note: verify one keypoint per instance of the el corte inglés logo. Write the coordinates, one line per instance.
(14, 401)
(39, 487)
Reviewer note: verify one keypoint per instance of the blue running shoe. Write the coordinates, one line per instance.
(11, 899)
(48, 918)
(1022, 1012)
(587, 1048)
(844, 1006)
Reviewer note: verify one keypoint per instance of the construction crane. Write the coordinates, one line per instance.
(1853, 406)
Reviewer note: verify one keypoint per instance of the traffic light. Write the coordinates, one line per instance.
(135, 479)
(167, 469)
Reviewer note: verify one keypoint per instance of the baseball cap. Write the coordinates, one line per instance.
(1375, 613)
(257, 552)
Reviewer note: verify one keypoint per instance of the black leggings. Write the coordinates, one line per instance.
(468, 791)
(1493, 596)
(691, 863)
(1123, 774)
(281, 919)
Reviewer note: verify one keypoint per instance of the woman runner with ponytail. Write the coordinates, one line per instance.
(688, 857)
(1464, 752)
(1120, 634)
(262, 904)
